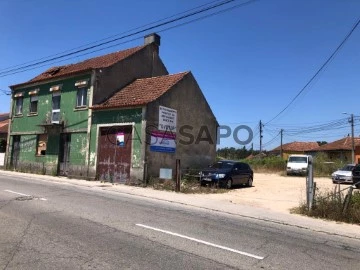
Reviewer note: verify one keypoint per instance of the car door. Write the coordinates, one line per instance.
(235, 175)
(244, 173)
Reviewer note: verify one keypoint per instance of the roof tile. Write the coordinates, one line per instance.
(342, 144)
(141, 91)
(298, 146)
(4, 126)
(102, 61)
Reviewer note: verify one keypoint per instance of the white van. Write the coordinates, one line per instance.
(297, 164)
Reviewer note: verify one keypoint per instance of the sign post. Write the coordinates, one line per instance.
(310, 187)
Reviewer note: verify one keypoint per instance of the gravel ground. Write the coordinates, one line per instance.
(273, 192)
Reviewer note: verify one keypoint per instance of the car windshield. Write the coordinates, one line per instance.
(348, 168)
(298, 159)
(222, 165)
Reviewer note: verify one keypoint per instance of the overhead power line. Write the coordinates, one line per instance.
(110, 37)
(127, 41)
(205, 9)
(318, 71)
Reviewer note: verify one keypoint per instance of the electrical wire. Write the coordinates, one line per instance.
(16, 70)
(318, 71)
(112, 36)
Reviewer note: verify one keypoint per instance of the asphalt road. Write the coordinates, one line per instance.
(46, 225)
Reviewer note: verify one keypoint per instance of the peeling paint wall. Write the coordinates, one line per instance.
(28, 126)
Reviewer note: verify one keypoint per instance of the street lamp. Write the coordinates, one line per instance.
(351, 121)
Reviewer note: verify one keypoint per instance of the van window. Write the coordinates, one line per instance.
(298, 159)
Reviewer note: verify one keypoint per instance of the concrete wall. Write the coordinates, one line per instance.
(193, 110)
(143, 64)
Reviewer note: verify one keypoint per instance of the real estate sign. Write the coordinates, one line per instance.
(163, 142)
(167, 119)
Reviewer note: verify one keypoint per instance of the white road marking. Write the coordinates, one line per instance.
(202, 242)
(22, 194)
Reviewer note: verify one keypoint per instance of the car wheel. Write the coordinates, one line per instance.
(228, 184)
(249, 182)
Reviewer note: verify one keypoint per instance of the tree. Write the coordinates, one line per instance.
(320, 143)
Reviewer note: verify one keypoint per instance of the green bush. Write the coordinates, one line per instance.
(268, 164)
(322, 166)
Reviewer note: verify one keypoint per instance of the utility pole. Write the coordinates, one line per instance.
(352, 139)
(261, 136)
(351, 121)
(281, 143)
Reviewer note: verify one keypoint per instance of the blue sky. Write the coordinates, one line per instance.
(249, 62)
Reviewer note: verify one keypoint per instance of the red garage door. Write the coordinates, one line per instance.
(114, 154)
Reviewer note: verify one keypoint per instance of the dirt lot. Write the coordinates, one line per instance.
(272, 191)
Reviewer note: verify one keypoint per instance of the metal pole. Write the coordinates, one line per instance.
(178, 176)
(352, 139)
(281, 143)
(260, 128)
(310, 185)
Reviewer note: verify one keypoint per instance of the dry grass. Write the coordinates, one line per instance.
(329, 205)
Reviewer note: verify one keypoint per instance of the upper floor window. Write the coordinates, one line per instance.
(56, 99)
(34, 103)
(81, 97)
(19, 105)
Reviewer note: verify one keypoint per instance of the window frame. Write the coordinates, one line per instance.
(17, 99)
(83, 91)
(31, 103)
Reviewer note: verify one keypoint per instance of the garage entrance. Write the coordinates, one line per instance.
(114, 154)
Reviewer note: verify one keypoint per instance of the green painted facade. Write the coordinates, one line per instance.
(75, 122)
(29, 126)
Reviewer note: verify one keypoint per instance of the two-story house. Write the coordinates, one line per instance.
(103, 117)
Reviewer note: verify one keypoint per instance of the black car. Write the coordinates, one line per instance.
(227, 173)
(356, 176)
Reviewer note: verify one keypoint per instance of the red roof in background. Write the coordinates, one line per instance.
(342, 144)
(4, 126)
(141, 91)
(297, 146)
(89, 64)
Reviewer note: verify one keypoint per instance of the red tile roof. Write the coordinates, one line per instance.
(4, 126)
(141, 91)
(4, 115)
(87, 65)
(342, 144)
(297, 146)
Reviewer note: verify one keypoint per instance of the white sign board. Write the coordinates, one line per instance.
(2, 159)
(163, 142)
(167, 119)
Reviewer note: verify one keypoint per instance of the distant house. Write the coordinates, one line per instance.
(4, 125)
(294, 148)
(341, 149)
(118, 117)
